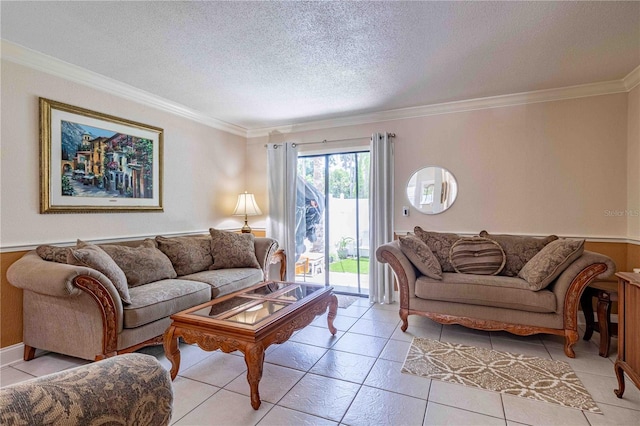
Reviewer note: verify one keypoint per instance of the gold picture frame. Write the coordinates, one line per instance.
(92, 162)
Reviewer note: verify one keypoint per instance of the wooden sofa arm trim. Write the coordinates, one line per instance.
(401, 276)
(279, 256)
(107, 308)
(577, 286)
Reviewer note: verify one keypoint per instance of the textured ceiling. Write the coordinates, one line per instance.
(262, 64)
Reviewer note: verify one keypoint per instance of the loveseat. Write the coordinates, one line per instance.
(518, 284)
(96, 301)
(131, 389)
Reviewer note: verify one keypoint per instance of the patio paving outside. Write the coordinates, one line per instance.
(347, 281)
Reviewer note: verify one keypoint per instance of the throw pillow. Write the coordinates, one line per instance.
(53, 253)
(421, 256)
(518, 249)
(232, 250)
(142, 264)
(550, 262)
(94, 257)
(440, 244)
(188, 255)
(477, 255)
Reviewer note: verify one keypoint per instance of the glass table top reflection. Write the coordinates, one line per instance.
(258, 303)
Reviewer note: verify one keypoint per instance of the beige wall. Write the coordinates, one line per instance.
(552, 167)
(633, 167)
(203, 167)
(204, 170)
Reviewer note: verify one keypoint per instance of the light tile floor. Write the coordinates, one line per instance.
(354, 378)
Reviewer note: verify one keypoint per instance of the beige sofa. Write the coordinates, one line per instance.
(494, 302)
(131, 389)
(78, 311)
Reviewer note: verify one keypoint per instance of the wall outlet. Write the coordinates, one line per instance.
(405, 211)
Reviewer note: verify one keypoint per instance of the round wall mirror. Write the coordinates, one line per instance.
(432, 190)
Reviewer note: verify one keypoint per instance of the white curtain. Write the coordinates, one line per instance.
(281, 174)
(380, 216)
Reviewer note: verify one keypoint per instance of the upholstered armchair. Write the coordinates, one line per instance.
(132, 389)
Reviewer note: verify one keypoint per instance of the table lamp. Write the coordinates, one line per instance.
(246, 206)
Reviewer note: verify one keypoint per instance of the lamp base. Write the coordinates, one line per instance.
(246, 229)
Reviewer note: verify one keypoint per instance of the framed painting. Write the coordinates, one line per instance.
(97, 163)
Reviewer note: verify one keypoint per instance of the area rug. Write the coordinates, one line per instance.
(346, 301)
(521, 375)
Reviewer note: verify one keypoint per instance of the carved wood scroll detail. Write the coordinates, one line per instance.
(107, 307)
(210, 342)
(300, 321)
(577, 286)
(281, 257)
(487, 325)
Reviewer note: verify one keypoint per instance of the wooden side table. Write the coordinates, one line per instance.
(606, 293)
(628, 330)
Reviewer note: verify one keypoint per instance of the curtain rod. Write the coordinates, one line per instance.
(276, 145)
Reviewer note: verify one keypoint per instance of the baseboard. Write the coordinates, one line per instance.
(11, 354)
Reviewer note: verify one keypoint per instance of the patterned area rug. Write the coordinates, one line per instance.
(521, 375)
(346, 301)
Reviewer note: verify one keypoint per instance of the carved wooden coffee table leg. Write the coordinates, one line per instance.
(254, 358)
(172, 351)
(333, 311)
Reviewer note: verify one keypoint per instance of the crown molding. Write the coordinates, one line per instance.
(547, 95)
(632, 79)
(50, 65)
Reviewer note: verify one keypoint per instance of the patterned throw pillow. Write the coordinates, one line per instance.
(94, 257)
(440, 244)
(188, 255)
(421, 256)
(53, 253)
(550, 262)
(142, 264)
(477, 255)
(518, 249)
(232, 250)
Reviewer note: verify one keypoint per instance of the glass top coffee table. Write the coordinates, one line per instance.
(249, 321)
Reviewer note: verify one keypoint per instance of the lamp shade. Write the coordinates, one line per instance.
(247, 206)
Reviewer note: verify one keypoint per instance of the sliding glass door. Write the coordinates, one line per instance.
(332, 233)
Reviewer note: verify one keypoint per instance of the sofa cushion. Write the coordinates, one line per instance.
(232, 250)
(421, 256)
(518, 249)
(486, 290)
(142, 264)
(53, 253)
(225, 281)
(94, 257)
(187, 254)
(477, 255)
(549, 263)
(160, 299)
(440, 244)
